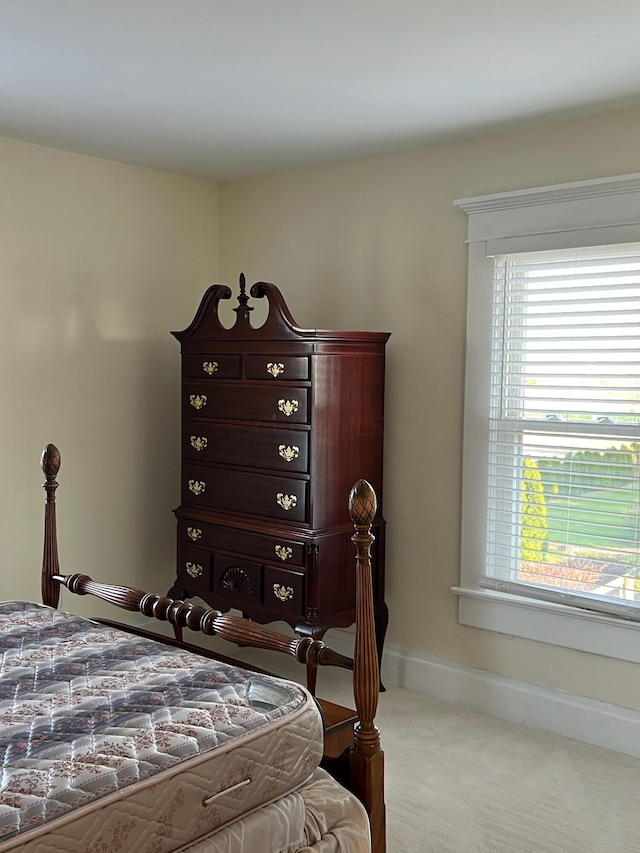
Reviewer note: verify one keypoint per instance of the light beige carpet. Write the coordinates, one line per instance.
(462, 782)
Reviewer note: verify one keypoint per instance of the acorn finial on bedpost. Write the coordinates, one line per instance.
(50, 462)
(367, 758)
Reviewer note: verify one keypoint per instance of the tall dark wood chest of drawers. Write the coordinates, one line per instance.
(278, 423)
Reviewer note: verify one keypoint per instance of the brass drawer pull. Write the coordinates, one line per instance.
(210, 367)
(194, 533)
(198, 401)
(194, 569)
(288, 407)
(275, 368)
(287, 502)
(284, 552)
(289, 452)
(197, 486)
(283, 593)
(199, 442)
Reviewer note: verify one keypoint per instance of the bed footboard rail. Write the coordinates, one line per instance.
(206, 620)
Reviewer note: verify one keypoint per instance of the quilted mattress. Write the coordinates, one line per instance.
(103, 733)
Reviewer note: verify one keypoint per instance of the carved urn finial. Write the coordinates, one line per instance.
(243, 310)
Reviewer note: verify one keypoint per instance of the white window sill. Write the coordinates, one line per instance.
(546, 622)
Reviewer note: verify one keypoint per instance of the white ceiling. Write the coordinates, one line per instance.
(231, 88)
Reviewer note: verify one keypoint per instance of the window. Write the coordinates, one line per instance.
(551, 471)
(563, 505)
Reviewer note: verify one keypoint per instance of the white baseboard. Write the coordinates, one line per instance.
(588, 720)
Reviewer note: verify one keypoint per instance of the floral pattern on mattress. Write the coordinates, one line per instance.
(86, 710)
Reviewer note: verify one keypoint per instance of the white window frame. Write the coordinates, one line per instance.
(605, 211)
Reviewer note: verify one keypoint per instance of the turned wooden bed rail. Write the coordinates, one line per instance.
(366, 757)
(206, 620)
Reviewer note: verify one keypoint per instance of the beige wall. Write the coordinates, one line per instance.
(376, 243)
(98, 261)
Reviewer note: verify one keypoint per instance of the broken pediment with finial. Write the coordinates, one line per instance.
(279, 323)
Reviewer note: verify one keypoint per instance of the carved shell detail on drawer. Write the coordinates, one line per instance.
(237, 580)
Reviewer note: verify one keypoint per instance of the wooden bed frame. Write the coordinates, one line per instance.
(360, 767)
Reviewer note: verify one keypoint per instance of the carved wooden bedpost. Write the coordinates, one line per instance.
(50, 462)
(367, 758)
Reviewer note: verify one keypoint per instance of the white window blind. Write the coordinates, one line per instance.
(563, 517)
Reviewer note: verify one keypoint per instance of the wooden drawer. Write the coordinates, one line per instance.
(241, 491)
(283, 590)
(194, 567)
(250, 446)
(275, 549)
(237, 578)
(246, 402)
(211, 366)
(278, 367)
